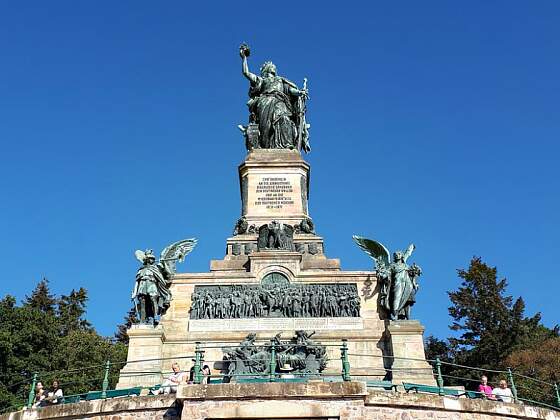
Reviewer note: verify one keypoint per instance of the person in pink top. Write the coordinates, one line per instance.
(485, 389)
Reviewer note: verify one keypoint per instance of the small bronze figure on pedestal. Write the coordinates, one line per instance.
(399, 285)
(151, 294)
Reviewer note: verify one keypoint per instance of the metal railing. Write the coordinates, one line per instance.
(522, 386)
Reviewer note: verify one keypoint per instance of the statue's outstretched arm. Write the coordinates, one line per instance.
(245, 69)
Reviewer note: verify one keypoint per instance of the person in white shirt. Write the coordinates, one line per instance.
(503, 393)
(40, 395)
(55, 396)
(206, 373)
(170, 384)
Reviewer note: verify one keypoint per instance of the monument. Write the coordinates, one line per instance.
(275, 278)
(275, 317)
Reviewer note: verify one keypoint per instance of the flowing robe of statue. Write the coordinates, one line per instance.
(274, 111)
(151, 280)
(401, 288)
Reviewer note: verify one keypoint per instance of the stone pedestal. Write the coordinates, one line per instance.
(274, 186)
(143, 365)
(407, 346)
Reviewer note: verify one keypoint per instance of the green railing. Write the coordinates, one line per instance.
(521, 385)
(524, 388)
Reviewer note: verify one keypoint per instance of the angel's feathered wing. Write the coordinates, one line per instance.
(374, 249)
(178, 250)
(175, 252)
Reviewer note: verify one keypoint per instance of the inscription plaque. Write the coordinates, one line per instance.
(271, 194)
(275, 324)
(274, 192)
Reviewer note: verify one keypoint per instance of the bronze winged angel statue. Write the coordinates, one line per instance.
(399, 285)
(151, 294)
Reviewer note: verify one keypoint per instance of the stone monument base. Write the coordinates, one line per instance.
(409, 361)
(274, 185)
(143, 364)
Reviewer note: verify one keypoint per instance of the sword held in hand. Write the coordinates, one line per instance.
(302, 124)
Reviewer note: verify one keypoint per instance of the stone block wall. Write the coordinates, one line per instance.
(126, 408)
(287, 401)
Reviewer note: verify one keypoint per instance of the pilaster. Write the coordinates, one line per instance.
(143, 364)
(409, 359)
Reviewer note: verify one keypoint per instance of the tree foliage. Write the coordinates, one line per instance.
(437, 349)
(49, 335)
(121, 336)
(70, 310)
(41, 298)
(540, 361)
(492, 330)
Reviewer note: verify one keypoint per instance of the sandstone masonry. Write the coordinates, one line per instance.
(271, 401)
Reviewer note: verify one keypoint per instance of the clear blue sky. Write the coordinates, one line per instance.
(435, 122)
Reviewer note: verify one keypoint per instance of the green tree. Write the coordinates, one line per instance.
(440, 349)
(491, 324)
(31, 339)
(121, 336)
(49, 335)
(81, 359)
(436, 348)
(71, 309)
(41, 298)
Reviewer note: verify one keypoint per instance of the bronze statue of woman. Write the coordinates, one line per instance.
(277, 106)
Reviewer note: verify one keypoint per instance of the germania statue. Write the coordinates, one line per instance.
(151, 294)
(277, 109)
(399, 285)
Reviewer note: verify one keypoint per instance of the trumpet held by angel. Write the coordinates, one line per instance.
(398, 280)
(151, 294)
